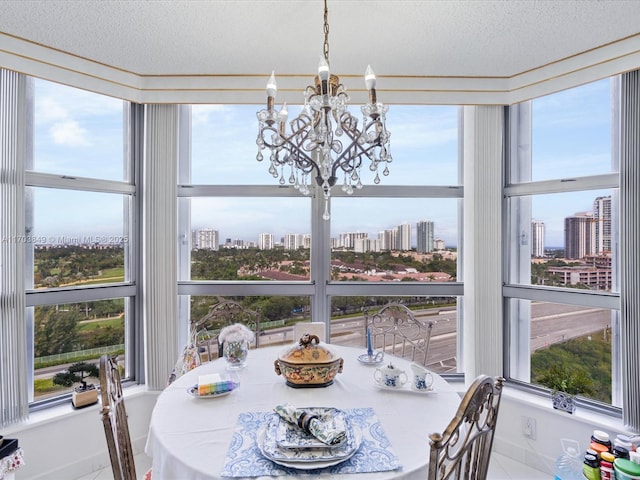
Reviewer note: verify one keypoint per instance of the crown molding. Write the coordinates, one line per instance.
(54, 65)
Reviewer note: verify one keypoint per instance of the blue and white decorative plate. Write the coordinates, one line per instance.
(305, 459)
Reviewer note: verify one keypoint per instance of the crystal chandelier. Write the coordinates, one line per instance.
(324, 139)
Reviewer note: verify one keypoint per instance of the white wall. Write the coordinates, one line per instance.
(551, 426)
(62, 443)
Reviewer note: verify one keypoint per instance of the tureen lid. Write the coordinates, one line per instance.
(308, 350)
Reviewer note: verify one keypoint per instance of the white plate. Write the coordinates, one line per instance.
(375, 359)
(193, 391)
(405, 388)
(302, 465)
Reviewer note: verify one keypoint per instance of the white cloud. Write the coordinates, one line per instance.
(59, 103)
(48, 110)
(69, 133)
(200, 113)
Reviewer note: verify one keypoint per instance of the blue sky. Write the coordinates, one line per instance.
(80, 133)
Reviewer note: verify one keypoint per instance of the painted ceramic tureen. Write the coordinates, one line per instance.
(308, 363)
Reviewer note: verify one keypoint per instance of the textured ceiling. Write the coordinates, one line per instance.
(397, 37)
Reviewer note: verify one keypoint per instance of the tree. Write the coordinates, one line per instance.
(56, 330)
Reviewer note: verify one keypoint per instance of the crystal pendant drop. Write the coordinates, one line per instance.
(377, 179)
(325, 215)
(385, 172)
(259, 157)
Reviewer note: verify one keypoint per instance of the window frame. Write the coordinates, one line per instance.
(129, 288)
(320, 288)
(517, 216)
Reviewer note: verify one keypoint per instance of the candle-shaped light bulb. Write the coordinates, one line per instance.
(369, 78)
(272, 87)
(323, 69)
(283, 114)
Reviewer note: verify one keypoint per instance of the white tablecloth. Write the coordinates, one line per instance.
(189, 437)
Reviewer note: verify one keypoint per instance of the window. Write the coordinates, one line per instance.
(78, 133)
(348, 325)
(79, 204)
(407, 239)
(561, 201)
(253, 239)
(239, 238)
(69, 333)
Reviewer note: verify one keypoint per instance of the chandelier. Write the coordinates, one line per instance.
(324, 139)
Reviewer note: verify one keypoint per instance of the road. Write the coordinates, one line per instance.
(552, 323)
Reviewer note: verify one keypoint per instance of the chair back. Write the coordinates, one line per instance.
(464, 449)
(396, 330)
(114, 420)
(224, 313)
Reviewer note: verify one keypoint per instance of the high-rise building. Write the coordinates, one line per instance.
(348, 240)
(403, 237)
(602, 220)
(265, 241)
(385, 239)
(206, 239)
(293, 241)
(537, 238)
(438, 244)
(366, 245)
(579, 236)
(424, 236)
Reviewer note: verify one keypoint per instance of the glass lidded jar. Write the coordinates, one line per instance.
(235, 353)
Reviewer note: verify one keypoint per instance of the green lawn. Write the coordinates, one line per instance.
(89, 325)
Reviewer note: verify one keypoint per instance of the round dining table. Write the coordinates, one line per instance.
(189, 437)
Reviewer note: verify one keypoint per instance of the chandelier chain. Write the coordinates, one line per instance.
(326, 32)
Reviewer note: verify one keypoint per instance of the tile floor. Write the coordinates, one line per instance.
(502, 468)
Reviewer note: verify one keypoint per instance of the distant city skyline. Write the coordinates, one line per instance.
(401, 237)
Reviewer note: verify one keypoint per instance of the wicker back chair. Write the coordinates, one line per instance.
(464, 449)
(220, 315)
(395, 330)
(114, 420)
(203, 345)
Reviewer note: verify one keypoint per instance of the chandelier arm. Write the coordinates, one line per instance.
(345, 164)
(351, 130)
(264, 137)
(298, 155)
